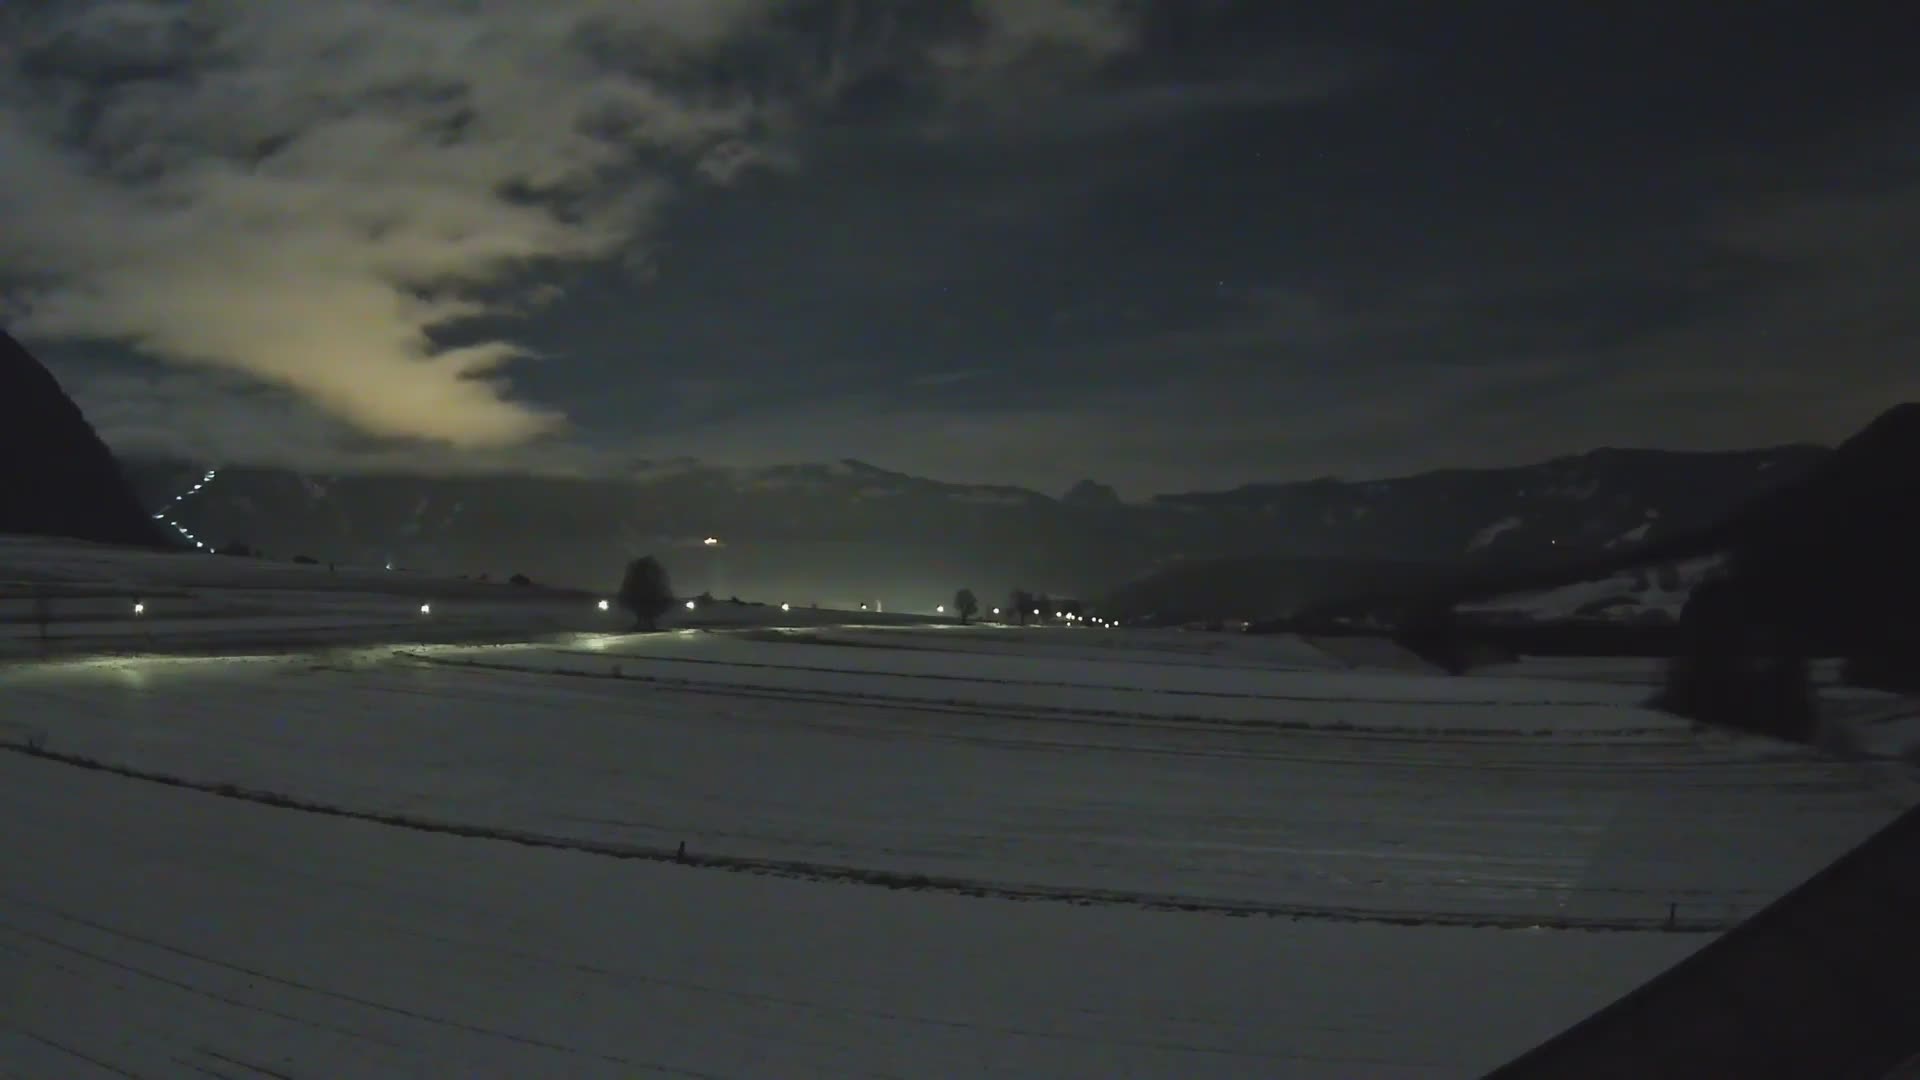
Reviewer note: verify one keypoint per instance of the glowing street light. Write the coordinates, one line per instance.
(689, 605)
(786, 607)
(940, 609)
(426, 609)
(139, 608)
(604, 606)
(712, 541)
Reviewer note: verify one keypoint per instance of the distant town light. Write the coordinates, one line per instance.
(689, 605)
(604, 606)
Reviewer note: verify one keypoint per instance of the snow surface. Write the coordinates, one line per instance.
(195, 602)
(1622, 596)
(1439, 872)
(1502, 800)
(1492, 532)
(154, 932)
(1633, 535)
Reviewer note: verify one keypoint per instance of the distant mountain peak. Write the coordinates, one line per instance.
(1091, 493)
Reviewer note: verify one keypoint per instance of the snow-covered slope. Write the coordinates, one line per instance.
(1639, 595)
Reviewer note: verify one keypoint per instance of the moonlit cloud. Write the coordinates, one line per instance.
(317, 195)
(307, 193)
(1169, 243)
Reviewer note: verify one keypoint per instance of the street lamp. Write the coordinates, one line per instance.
(689, 605)
(940, 609)
(139, 608)
(786, 607)
(604, 606)
(712, 541)
(426, 609)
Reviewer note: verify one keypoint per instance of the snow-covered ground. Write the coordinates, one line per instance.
(65, 597)
(151, 932)
(1381, 795)
(911, 851)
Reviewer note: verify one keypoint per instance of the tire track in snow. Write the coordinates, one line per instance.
(317, 991)
(78, 1055)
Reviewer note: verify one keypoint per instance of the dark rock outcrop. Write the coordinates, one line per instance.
(56, 477)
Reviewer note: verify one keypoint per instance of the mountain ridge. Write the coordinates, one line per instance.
(58, 478)
(851, 530)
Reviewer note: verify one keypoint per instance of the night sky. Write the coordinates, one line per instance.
(1168, 246)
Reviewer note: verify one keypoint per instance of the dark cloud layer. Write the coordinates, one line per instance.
(1167, 245)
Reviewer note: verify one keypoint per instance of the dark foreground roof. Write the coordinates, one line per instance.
(1823, 983)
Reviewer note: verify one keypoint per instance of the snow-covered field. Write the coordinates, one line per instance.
(157, 933)
(910, 851)
(65, 597)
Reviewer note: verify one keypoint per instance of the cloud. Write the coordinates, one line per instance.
(220, 417)
(310, 193)
(1013, 28)
(323, 197)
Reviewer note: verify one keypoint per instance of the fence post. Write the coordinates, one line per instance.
(42, 613)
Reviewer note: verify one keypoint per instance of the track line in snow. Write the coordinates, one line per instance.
(341, 996)
(1387, 731)
(972, 887)
(77, 1055)
(997, 680)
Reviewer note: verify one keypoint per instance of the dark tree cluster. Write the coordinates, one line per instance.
(1741, 662)
(1024, 604)
(645, 591)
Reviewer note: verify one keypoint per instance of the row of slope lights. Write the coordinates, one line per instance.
(182, 529)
